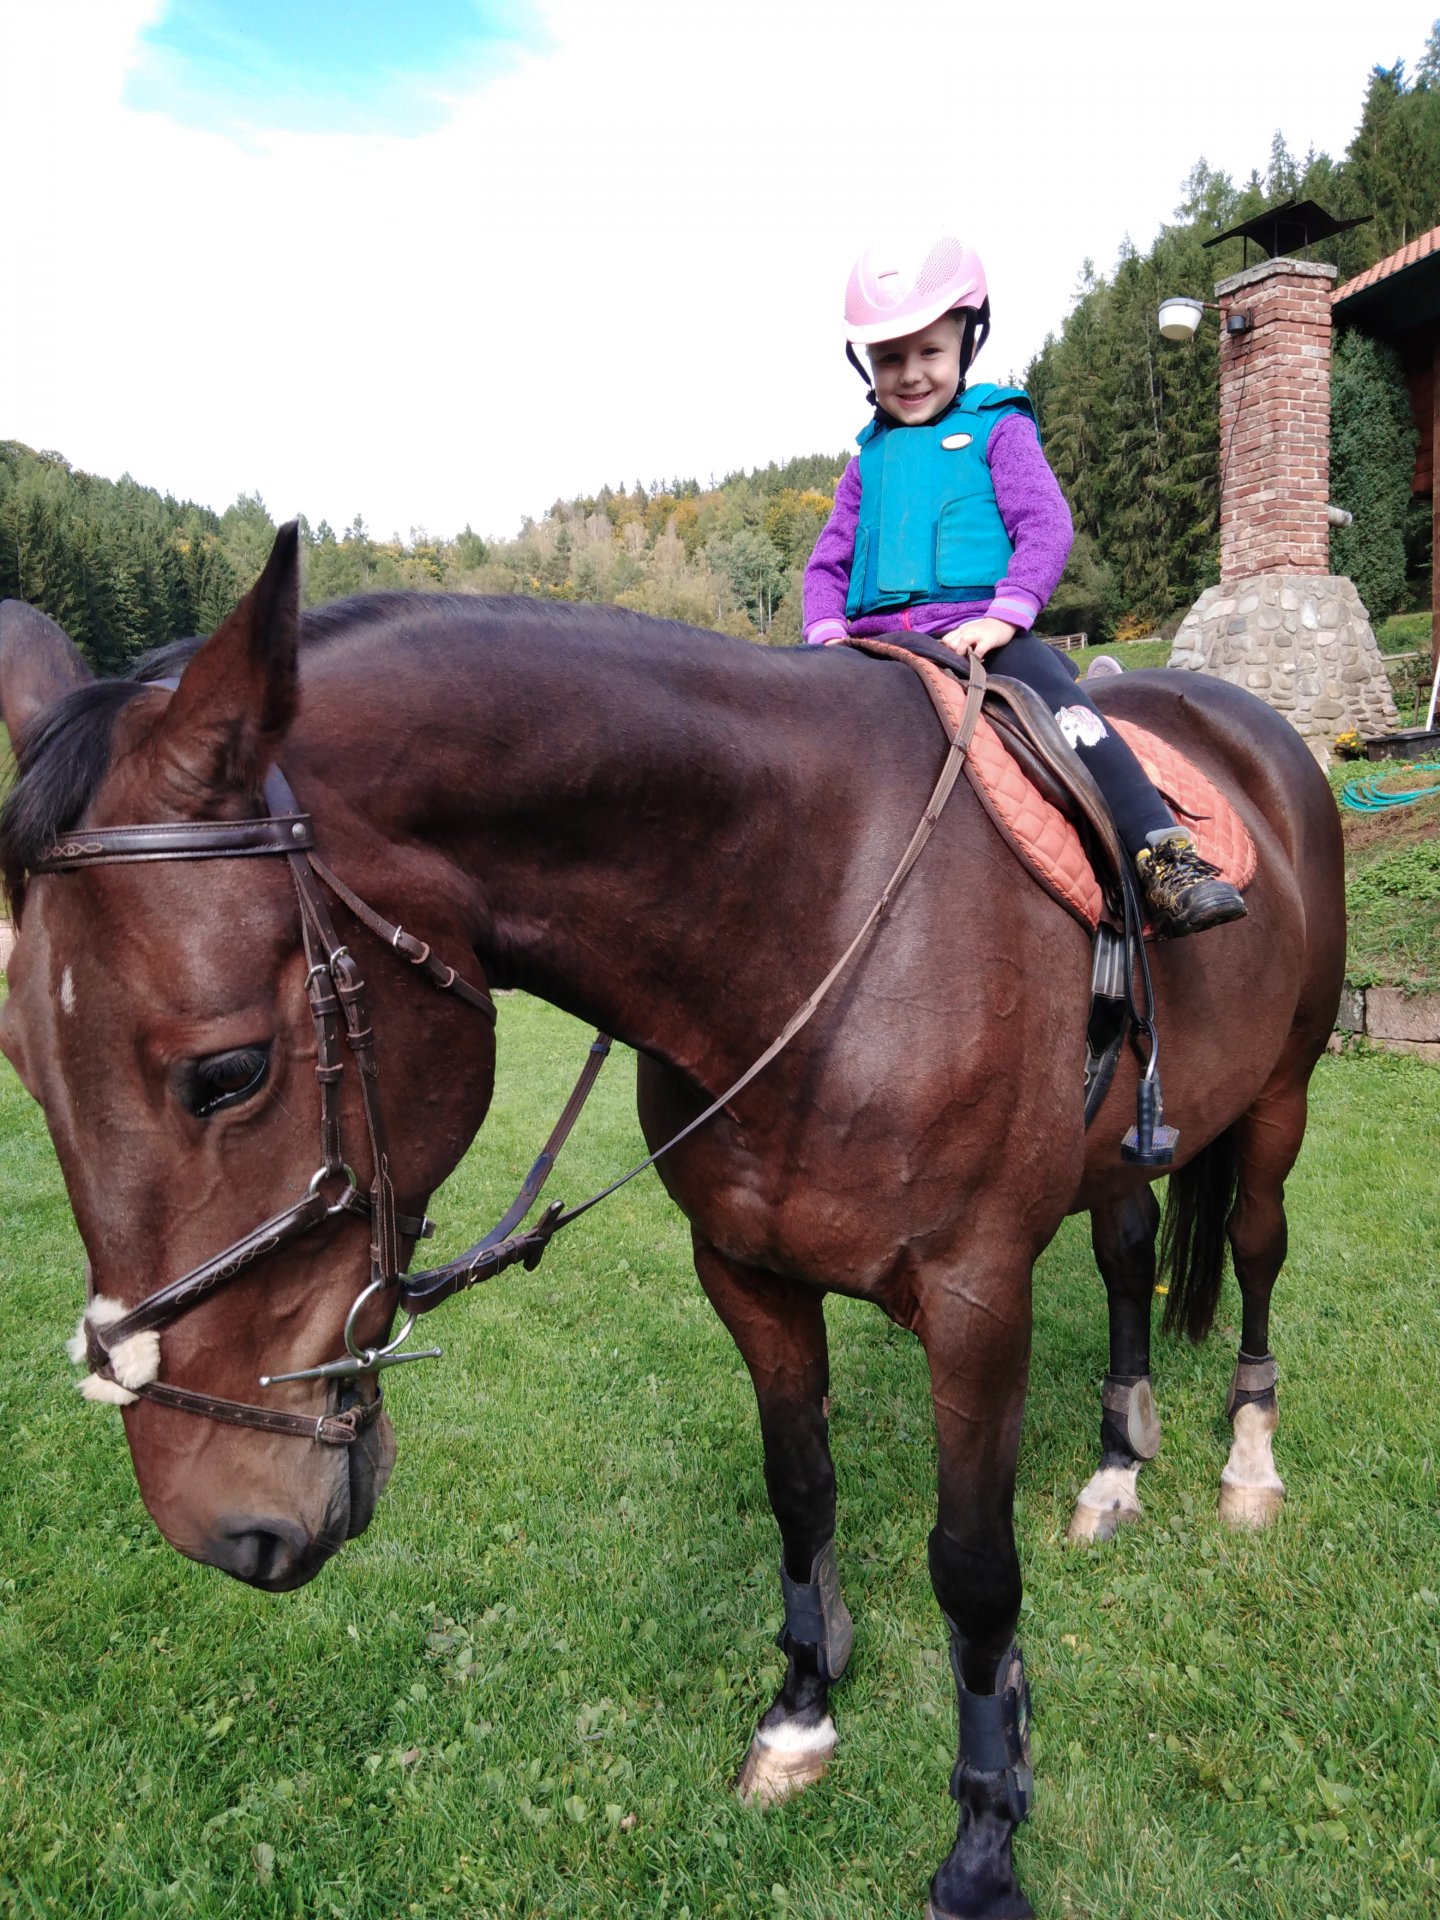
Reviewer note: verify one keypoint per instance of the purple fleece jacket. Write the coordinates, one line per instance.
(1036, 519)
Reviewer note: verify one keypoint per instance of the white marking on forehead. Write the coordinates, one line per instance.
(67, 991)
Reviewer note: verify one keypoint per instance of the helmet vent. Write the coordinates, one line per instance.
(944, 264)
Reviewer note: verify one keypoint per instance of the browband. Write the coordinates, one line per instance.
(178, 840)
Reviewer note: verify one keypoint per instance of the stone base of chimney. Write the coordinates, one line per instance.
(1302, 642)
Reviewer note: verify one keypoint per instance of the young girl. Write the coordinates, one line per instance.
(950, 523)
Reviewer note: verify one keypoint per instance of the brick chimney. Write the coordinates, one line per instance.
(1280, 623)
(1275, 420)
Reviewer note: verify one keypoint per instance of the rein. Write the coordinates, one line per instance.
(338, 1004)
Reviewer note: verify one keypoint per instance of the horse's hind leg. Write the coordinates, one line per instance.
(1122, 1233)
(779, 1327)
(1268, 1140)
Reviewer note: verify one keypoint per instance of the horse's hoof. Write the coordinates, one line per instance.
(1107, 1502)
(784, 1760)
(1091, 1525)
(1014, 1908)
(1253, 1507)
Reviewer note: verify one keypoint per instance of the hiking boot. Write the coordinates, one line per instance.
(1183, 893)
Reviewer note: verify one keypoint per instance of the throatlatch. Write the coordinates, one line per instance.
(995, 1729)
(816, 1615)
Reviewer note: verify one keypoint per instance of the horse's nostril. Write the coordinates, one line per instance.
(269, 1552)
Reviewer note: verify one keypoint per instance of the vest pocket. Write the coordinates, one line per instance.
(955, 554)
(972, 549)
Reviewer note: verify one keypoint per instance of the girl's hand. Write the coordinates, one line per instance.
(979, 636)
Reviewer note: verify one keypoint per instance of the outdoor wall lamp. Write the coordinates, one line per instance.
(1179, 318)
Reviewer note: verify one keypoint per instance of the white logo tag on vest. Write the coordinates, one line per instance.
(954, 441)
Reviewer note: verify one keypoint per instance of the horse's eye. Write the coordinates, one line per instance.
(222, 1079)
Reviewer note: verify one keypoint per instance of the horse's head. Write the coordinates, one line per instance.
(159, 1013)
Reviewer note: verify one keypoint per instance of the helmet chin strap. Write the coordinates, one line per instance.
(861, 369)
(976, 321)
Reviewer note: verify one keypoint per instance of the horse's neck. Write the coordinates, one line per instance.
(642, 831)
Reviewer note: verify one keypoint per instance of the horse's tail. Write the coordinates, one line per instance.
(1192, 1240)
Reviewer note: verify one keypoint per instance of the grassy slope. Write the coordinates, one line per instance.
(526, 1690)
(1392, 866)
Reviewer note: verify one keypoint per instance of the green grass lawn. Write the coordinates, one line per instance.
(526, 1690)
(1132, 654)
(1402, 632)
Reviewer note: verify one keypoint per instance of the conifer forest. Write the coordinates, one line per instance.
(1129, 425)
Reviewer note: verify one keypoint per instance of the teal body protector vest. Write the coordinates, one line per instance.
(929, 528)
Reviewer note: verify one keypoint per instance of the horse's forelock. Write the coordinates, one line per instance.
(61, 762)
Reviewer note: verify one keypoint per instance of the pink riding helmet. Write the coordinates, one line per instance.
(898, 286)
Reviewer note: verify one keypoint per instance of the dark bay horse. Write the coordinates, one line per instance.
(671, 835)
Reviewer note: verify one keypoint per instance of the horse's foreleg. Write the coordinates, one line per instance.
(1122, 1233)
(977, 1339)
(1268, 1140)
(779, 1327)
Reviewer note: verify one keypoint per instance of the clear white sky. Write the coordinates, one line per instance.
(449, 261)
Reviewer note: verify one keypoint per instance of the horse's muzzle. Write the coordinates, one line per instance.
(278, 1553)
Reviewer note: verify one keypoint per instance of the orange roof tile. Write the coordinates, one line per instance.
(1427, 243)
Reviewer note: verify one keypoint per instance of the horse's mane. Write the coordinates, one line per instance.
(61, 759)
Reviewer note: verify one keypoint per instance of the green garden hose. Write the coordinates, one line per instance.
(1366, 795)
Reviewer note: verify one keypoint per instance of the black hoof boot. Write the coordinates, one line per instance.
(992, 1783)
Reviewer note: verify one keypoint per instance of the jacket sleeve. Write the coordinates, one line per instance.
(827, 572)
(1036, 519)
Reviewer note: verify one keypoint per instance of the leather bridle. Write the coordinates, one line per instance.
(336, 991)
(338, 1004)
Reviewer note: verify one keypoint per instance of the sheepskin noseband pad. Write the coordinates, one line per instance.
(132, 1363)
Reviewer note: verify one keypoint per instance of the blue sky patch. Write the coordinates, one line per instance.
(322, 66)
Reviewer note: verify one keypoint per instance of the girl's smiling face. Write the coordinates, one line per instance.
(917, 376)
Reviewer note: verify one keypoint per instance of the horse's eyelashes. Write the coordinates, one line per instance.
(222, 1079)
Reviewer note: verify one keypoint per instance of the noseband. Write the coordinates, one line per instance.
(336, 992)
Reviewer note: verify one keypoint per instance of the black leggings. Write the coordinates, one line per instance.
(1138, 809)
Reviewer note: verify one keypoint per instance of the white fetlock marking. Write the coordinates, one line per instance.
(135, 1361)
(1250, 1489)
(793, 1740)
(784, 1759)
(1107, 1500)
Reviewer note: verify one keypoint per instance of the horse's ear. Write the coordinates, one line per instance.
(38, 663)
(239, 693)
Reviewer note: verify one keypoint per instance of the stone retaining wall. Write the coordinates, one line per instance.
(1385, 1016)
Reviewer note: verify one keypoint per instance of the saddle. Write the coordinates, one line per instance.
(1046, 806)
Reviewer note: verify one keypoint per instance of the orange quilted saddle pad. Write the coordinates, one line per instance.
(1049, 844)
(1046, 842)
